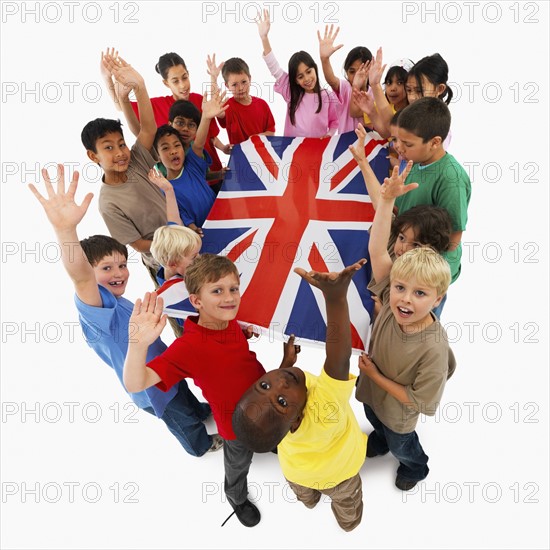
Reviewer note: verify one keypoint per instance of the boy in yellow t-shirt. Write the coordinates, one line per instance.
(320, 445)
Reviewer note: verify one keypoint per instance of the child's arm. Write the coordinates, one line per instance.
(335, 288)
(263, 29)
(108, 77)
(326, 49)
(383, 108)
(218, 144)
(210, 109)
(358, 85)
(368, 368)
(290, 353)
(130, 79)
(358, 152)
(393, 187)
(172, 210)
(65, 215)
(146, 325)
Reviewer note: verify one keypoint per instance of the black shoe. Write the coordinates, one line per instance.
(404, 484)
(372, 453)
(247, 513)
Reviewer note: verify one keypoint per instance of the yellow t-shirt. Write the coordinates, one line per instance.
(367, 120)
(328, 447)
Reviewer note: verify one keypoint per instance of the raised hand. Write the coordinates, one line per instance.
(290, 352)
(147, 320)
(263, 24)
(212, 69)
(376, 68)
(159, 180)
(364, 101)
(326, 43)
(358, 149)
(60, 207)
(215, 105)
(333, 285)
(394, 186)
(104, 67)
(361, 76)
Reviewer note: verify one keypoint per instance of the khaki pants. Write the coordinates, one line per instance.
(347, 500)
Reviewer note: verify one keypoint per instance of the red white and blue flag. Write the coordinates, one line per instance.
(286, 203)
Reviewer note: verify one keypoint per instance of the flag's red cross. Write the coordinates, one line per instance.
(292, 212)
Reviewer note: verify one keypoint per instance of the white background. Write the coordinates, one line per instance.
(488, 486)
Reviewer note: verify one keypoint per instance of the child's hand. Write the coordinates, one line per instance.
(126, 76)
(249, 332)
(159, 180)
(290, 352)
(333, 285)
(147, 320)
(227, 149)
(196, 229)
(361, 76)
(104, 67)
(215, 106)
(326, 44)
(364, 101)
(376, 68)
(358, 149)
(60, 207)
(366, 366)
(212, 69)
(263, 24)
(394, 186)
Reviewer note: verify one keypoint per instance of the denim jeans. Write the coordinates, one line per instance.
(184, 417)
(437, 310)
(413, 461)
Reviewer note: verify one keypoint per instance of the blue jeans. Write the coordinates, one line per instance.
(413, 461)
(184, 417)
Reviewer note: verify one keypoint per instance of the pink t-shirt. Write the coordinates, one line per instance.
(308, 122)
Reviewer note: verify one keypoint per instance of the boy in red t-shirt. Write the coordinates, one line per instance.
(247, 115)
(214, 352)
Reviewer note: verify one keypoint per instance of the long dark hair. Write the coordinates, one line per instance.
(296, 91)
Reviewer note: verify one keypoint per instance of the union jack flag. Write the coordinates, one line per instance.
(286, 203)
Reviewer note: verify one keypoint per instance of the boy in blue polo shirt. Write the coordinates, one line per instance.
(97, 267)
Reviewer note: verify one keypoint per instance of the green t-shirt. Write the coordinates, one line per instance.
(446, 184)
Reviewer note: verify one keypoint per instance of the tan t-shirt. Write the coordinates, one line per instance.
(135, 209)
(422, 362)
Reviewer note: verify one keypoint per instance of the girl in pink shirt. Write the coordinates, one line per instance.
(312, 112)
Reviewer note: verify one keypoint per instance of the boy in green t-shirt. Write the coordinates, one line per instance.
(421, 129)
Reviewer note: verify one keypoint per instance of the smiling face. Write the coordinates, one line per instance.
(186, 127)
(306, 78)
(113, 155)
(178, 81)
(395, 91)
(411, 302)
(217, 302)
(112, 273)
(172, 154)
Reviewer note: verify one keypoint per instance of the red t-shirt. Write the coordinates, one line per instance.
(218, 361)
(243, 121)
(161, 108)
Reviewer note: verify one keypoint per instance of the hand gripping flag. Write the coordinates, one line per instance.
(286, 203)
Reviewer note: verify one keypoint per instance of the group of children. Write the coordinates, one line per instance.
(156, 196)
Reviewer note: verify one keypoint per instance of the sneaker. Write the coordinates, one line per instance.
(217, 443)
(404, 484)
(247, 513)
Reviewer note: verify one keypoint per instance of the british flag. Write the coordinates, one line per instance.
(286, 203)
